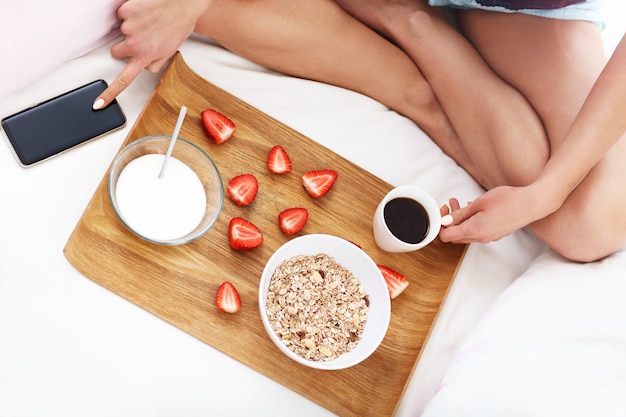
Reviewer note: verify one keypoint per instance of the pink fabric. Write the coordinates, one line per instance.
(36, 36)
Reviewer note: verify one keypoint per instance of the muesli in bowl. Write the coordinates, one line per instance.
(324, 302)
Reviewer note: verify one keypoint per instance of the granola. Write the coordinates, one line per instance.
(317, 307)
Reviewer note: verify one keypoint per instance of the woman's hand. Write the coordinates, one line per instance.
(153, 31)
(494, 215)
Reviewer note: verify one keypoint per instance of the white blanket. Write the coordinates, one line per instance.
(553, 344)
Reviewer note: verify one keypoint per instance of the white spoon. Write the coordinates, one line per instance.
(170, 148)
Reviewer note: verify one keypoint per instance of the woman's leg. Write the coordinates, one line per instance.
(516, 69)
(317, 40)
(496, 124)
(555, 63)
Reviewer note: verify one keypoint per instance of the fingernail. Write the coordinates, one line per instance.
(447, 220)
(97, 105)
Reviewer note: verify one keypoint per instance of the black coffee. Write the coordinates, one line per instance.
(406, 219)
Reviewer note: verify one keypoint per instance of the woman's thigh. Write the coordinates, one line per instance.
(554, 64)
(318, 40)
(315, 39)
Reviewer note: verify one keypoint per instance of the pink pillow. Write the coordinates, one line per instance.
(38, 36)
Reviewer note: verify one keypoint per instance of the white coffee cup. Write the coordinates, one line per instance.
(407, 219)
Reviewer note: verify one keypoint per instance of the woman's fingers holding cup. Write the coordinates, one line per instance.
(446, 211)
(454, 204)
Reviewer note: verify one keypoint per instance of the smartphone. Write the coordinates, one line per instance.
(60, 124)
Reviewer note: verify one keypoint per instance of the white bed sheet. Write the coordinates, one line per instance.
(552, 344)
(68, 347)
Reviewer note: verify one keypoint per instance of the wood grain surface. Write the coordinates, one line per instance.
(178, 283)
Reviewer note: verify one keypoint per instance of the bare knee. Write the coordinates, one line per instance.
(586, 235)
(419, 98)
(588, 250)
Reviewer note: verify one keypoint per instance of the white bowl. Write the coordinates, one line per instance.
(363, 268)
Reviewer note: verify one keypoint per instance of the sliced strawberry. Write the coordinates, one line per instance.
(217, 126)
(242, 189)
(396, 282)
(244, 235)
(278, 161)
(293, 220)
(317, 183)
(227, 298)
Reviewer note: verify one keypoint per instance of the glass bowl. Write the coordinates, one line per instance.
(168, 210)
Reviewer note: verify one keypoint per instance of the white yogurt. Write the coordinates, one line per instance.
(164, 208)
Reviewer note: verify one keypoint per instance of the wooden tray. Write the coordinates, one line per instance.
(178, 284)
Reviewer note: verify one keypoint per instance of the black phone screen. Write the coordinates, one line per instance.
(61, 123)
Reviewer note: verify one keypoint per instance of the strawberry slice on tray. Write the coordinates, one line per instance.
(317, 183)
(242, 189)
(396, 282)
(278, 160)
(218, 127)
(292, 220)
(243, 235)
(227, 298)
